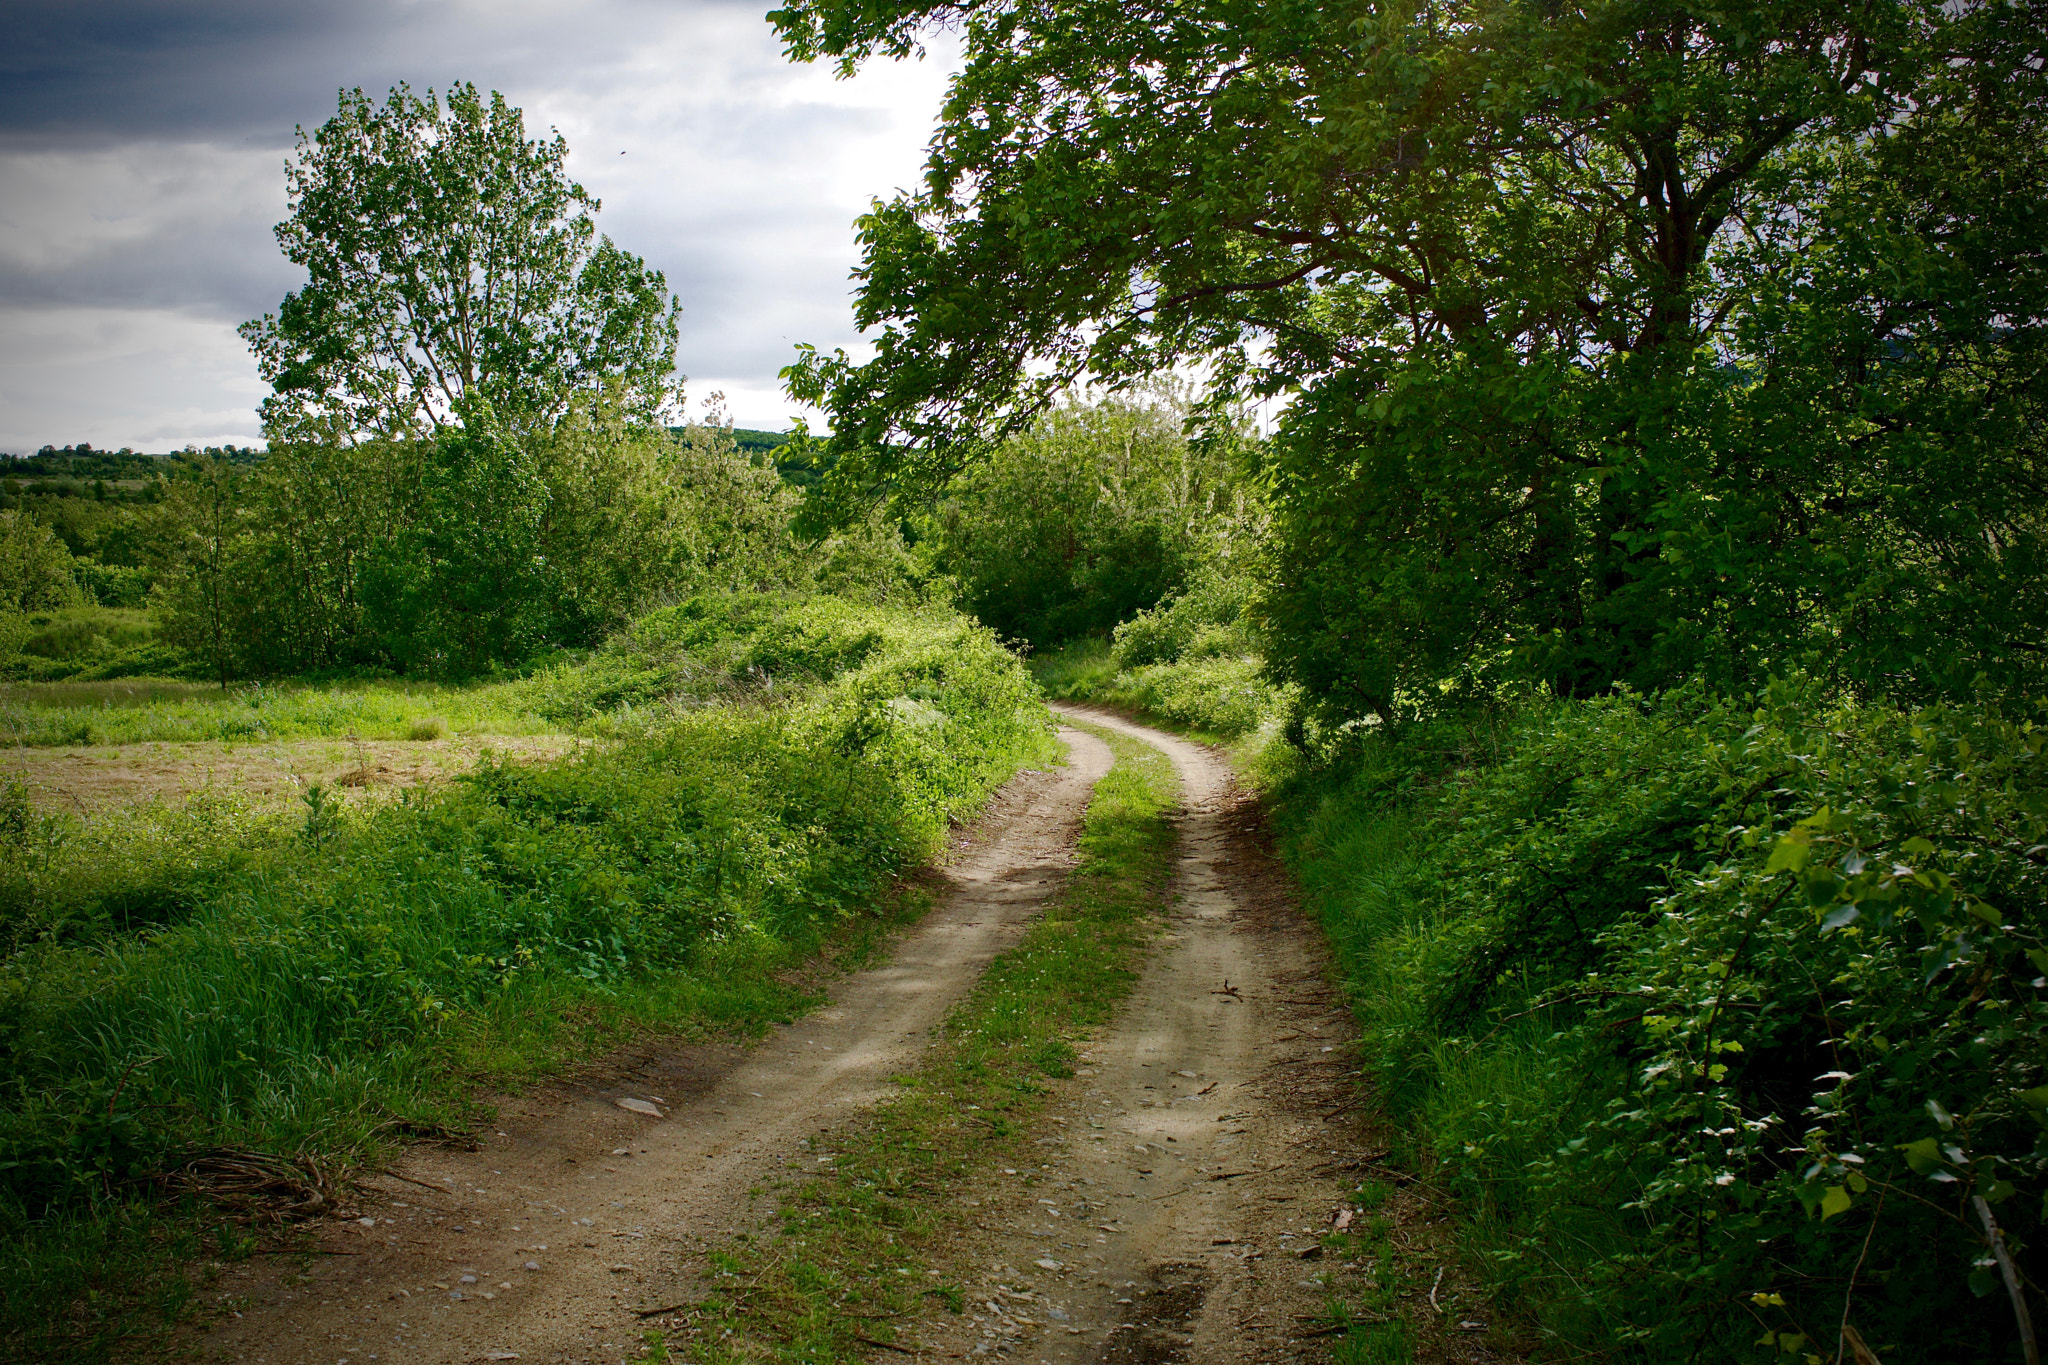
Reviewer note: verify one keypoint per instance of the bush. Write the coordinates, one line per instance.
(1209, 620)
(309, 978)
(1717, 1016)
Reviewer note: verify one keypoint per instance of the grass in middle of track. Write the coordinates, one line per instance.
(850, 1250)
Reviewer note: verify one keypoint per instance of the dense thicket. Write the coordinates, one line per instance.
(477, 548)
(1719, 1016)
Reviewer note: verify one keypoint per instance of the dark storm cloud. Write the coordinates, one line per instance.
(72, 73)
(247, 72)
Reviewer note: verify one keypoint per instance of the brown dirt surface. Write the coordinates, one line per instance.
(86, 780)
(1202, 1151)
(575, 1216)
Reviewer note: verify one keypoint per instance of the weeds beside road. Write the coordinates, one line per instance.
(853, 1248)
(367, 970)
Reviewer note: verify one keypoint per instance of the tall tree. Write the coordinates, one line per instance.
(450, 259)
(1573, 302)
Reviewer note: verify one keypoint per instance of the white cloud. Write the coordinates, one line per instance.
(153, 379)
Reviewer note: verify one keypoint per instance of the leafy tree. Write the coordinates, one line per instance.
(450, 260)
(1626, 339)
(36, 574)
(1092, 515)
(464, 584)
(35, 567)
(205, 592)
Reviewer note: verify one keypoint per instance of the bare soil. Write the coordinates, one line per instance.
(275, 773)
(577, 1216)
(1204, 1148)
(1189, 1171)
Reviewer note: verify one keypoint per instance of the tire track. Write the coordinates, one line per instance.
(576, 1216)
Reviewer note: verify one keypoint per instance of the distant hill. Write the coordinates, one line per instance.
(759, 442)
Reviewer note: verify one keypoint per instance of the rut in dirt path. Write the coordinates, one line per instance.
(576, 1216)
(1204, 1144)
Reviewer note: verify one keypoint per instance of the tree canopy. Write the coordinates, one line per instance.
(450, 259)
(1625, 341)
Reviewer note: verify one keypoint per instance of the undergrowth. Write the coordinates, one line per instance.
(853, 1246)
(1715, 1016)
(370, 968)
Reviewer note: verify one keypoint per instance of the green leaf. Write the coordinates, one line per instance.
(1835, 1201)
(1923, 1156)
(1839, 917)
(1790, 852)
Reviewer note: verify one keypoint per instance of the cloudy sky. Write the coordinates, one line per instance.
(142, 147)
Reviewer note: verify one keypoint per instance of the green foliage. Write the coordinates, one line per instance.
(478, 548)
(464, 585)
(1626, 342)
(35, 568)
(306, 985)
(72, 880)
(85, 640)
(1210, 618)
(1714, 1015)
(1093, 514)
(453, 267)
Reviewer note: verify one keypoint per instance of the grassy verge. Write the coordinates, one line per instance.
(854, 1245)
(368, 971)
(1219, 699)
(143, 710)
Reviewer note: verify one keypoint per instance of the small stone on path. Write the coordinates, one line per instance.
(633, 1106)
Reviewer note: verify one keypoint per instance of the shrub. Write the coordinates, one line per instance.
(1717, 1015)
(1210, 619)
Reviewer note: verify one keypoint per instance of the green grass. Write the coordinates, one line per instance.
(305, 986)
(1216, 698)
(855, 1245)
(143, 710)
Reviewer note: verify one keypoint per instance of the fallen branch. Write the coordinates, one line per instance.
(2028, 1344)
(885, 1345)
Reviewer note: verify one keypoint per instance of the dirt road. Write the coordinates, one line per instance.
(1190, 1169)
(577, 1212)
(1206, 1140)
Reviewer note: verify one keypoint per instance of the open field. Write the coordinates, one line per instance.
(89, 780)
(142, 710)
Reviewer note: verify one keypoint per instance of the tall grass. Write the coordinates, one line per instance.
(337, 981)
